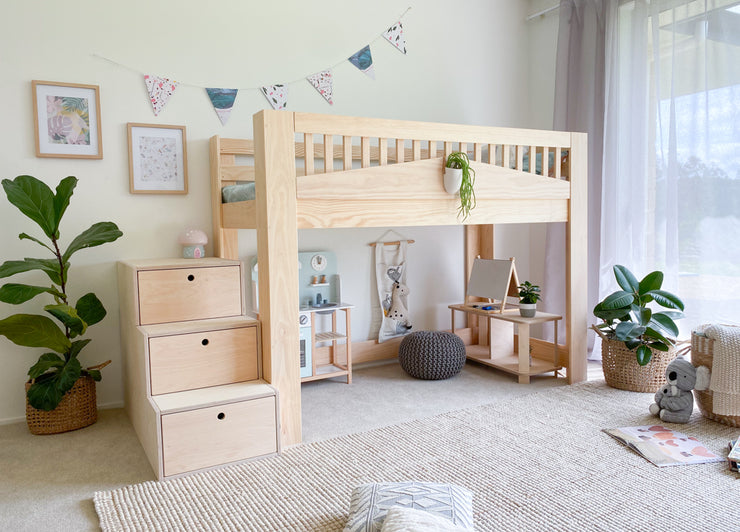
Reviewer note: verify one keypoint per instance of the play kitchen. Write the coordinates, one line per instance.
(325, 349)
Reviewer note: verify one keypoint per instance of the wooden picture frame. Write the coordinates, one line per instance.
(67, 120)
(157, 159)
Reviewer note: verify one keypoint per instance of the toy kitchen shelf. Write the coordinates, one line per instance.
(334, 366)
(517, 362)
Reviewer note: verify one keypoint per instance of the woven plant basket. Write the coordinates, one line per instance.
(77, 409)
(702, 354)
(622, 371)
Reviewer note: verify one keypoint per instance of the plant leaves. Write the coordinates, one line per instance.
(90, 309)
(46, 394)
(660, 346)
(652, 281)
(69, 317)
(49, 266)
(31, 330)
(16, 294)
(644, 355)
(666, 323)
(673, 314)
(628, 330)
(643, 315)
(44, 364)
(24, 236)
(620, 299)
(609, 315)
(77, 346)
(65, 188)
(95, 235)
(94, 373)
(652, 332)
(34, 199)
(666, 299)
(625, 279)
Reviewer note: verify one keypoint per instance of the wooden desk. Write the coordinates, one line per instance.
(517, 362)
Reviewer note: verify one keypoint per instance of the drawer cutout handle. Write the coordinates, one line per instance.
(221, 415)
(191, 277)
(204, 341)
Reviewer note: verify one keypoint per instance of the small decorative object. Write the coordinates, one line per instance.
(529, 294)
(192, 241)
(157, 157)
(674, 401)
(717, 347)
(318, 262)
(397, 310)
(637, 342)
(67, 118)
(460, 177)
(55, 373)
(432, 355)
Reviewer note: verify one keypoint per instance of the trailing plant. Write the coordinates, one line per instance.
(460, 160)
(529, 293)
(54, 373)
(627, 317)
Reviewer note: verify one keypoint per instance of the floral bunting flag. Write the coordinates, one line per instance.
(323, 82)
(394, 35)
(223, 102)
(277, 95)
(160, 91)
(363, 60)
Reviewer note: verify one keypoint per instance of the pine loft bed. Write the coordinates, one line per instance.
(324, 171)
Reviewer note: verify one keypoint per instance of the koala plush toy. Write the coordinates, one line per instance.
(674, 402)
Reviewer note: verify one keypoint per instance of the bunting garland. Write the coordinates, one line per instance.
(161, 89)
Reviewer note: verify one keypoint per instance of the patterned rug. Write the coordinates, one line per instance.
(540, 462)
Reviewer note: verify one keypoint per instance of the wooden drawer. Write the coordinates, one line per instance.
(197, 360)
(218, 435)
(189, 294)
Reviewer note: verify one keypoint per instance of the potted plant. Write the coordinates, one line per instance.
(57, 375)
(634, 334)
(460, 177)
(529, 294)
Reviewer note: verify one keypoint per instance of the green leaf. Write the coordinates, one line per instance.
(69, 317)
(617, 300)
(90, 309)
(643, 315)
(666, 323)
(34, 199)
(31, 330)
(660, 346)
(672, 314)
(16, 294)
(77, 346)
(24, 236)
(625, 279)
(45, 394)
(644, 355)
(666, 299)
(652, 281)
(608, 315)
(65, 188)
(628, 330)
(48, 266)
(95, 235)
(44, 364)
(652, 332)
(631, 344)
(94, 373)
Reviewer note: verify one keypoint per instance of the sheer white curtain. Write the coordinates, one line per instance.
(671, 168)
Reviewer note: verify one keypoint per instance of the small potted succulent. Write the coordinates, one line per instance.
(529, 294)
(459, 178)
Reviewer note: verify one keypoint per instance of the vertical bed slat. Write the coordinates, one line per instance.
(478, 152)
(365, 152)
(328, 154)
(382, 152)
(519, 158)
(533, 159)
(416, 147)
(448, 150)
(308, 155)
(545, 161)
(462, 147)
(506, 156)
(347, 152)
(400, 150)
(432, 149)
(558, 155)
(491, 154)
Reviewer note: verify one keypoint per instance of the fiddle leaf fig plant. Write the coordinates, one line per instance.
(460, 160)
(627, 318)
(55, 372)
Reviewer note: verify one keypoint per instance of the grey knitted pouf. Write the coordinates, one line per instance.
(432, 355)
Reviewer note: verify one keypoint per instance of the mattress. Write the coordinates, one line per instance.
(241, 191)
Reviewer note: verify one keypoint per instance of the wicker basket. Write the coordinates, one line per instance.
(702, 354)
(622, 371)
(77, 409)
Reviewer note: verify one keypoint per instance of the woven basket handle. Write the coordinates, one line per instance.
(599, 332)
(100, 366)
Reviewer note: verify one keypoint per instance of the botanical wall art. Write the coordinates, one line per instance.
(157, 157)
(67, 120)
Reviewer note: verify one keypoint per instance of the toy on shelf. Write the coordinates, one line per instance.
(192, 241)
(674, 402)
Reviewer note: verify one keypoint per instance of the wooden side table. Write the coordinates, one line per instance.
(517, 362)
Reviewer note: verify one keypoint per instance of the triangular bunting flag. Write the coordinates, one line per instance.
(364, 61)
(394, 34)
(322, 82)
(277, 95)
(160, 90)
(223, 102)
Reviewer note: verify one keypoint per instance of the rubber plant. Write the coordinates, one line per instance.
(460, 160)
(627, 317)
(55, 372)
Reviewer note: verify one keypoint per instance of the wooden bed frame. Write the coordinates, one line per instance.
(388, 173)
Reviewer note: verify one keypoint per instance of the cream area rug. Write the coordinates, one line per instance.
(540, 462)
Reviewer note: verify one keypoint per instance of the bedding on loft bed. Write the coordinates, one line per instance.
(239, 191)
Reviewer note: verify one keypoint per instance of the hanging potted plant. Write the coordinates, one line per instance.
(60, 393)
(459, 178)
(638, 342)
(529, 294)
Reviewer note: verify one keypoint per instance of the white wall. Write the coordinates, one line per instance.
(467, 63)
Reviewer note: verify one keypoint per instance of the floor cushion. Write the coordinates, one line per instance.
(432, 355)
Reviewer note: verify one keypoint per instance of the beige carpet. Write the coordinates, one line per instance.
(539, 462)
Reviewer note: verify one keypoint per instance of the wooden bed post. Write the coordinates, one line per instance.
(576, 261)
(277, 251)
(225, 241)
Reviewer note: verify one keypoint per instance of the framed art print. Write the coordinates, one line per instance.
(67, 120)
(157, 157)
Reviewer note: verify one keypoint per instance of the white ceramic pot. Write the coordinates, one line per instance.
(528, 310)
(452, 180)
